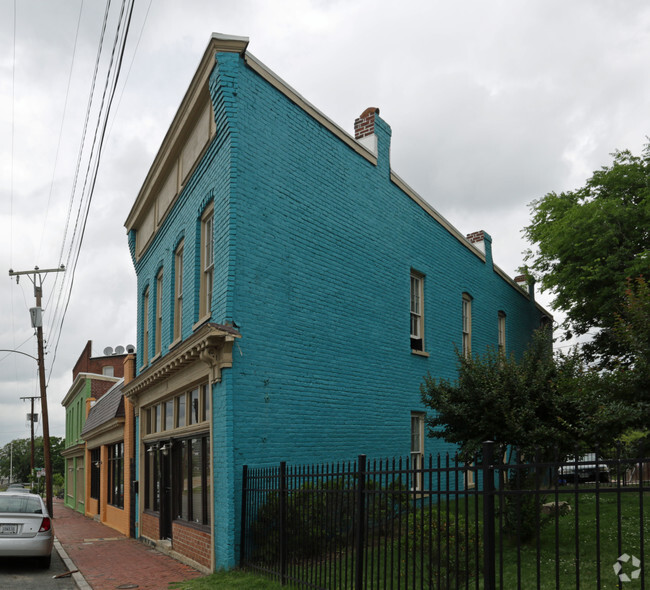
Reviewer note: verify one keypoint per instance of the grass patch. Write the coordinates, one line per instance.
(575, 539)
(231, 580)
(588, 535)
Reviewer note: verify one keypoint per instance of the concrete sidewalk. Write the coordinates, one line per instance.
(108, 560)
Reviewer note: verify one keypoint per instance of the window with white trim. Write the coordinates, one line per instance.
(467, 324)
(184, 409)
(207, 262)
(417, 448)
(417, 312)
(178, 292)
(145, 327)
(159, 312)
(502, 333)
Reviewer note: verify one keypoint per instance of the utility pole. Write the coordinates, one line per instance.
(36, 276)
(31, 419)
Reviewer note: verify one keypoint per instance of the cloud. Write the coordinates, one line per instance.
(491, 104)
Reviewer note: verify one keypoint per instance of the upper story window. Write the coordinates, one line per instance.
(178, 292)
(502, 333)
(108, 371)
(159, 306)
(417, 312)
(207, 262)
(467, 324)
(145, 327)
(188, 408)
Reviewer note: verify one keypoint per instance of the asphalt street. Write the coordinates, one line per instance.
(26, 574)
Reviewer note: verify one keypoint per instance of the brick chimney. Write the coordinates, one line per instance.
(129, 368)
(527, 284)
(483, 242)
(478, 239)
(521, 281)
(364, 129)
(365, 124)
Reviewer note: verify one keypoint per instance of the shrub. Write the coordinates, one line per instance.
(321, 517)
(443, 547)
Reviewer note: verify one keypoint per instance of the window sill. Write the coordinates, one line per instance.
(419, 353)
(201, 321)
(154, 358)
(151, 512)
(175, 343)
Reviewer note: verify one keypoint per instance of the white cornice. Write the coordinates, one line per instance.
(211, 344)
(80, 381)
(172, 142)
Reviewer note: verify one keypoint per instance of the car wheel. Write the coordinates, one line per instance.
(45, 561)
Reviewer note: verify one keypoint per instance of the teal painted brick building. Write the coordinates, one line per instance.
(293, 291)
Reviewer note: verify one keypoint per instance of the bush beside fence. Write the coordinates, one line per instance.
(383, 524)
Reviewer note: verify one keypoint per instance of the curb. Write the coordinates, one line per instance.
(77, 576)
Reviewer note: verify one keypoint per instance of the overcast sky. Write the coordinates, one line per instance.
(492, 103)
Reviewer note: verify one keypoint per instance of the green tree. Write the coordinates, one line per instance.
(541, 403)
(22, 451)
(545, 406)
(588, 242)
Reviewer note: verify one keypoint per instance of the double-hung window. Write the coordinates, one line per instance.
(417, 448)
(178, 292)
(159, 306)
(417, 312)
(207, 262)
(502, 333)
(467, 324)
(145, 327)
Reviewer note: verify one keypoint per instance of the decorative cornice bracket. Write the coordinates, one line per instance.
(217, 354)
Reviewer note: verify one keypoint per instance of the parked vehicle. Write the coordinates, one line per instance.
(588, 469)
(25, 527)
(18, 487)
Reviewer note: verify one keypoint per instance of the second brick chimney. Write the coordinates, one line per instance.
(364, 129)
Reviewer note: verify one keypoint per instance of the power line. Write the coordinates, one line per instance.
(58, 146)
(98, 139)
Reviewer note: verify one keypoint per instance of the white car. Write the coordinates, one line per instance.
(586, 468)
(25, 527)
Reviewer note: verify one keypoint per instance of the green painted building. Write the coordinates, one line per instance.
(92, 377)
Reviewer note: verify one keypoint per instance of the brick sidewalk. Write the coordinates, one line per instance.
(109, 560)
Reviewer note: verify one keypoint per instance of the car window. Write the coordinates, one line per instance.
(22, 504)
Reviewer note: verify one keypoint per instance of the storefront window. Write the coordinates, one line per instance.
(116, 475)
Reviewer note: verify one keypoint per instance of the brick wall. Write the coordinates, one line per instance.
(192, 542)
(149, 526)
(89, 364)
(313, 250)
(99, 388)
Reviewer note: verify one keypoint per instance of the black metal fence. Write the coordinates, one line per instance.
(442, 524)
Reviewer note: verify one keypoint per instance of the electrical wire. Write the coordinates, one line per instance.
(128, 73)
(85, 128)
(120, 43)
(73, 192)
(58, 146)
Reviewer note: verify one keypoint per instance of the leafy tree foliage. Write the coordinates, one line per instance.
(542, 403)
(632, 332)
(22, 452)
(589, 242)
